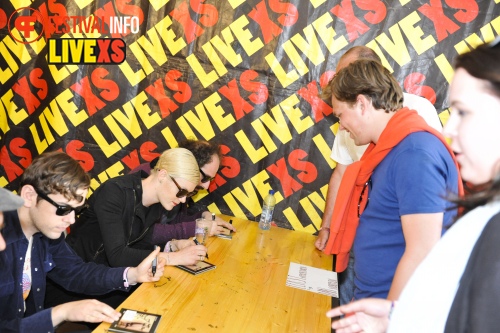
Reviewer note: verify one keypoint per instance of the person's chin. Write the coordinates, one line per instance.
(53, 234)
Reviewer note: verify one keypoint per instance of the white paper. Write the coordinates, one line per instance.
(313, 279)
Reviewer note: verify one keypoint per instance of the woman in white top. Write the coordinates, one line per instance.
(455, 289)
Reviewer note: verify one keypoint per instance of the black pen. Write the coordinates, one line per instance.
(155, 262)
(198, 243)
(213, 216)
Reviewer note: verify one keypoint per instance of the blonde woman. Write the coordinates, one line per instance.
(116, 229)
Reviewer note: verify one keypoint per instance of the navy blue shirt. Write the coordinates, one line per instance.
(52, 258)
(414, 178)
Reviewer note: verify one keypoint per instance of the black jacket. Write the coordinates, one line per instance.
(476, 304)
(116, 229)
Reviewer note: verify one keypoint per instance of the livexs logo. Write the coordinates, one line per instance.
(65, 35)
(86, 51)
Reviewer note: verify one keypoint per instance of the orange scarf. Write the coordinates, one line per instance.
(345, 214)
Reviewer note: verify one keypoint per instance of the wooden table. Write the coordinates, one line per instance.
(247, 291)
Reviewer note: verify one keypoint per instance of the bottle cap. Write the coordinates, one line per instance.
(271, 191)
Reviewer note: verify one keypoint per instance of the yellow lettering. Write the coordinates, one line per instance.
(327, 34)
(235, 3)
(201, 121)
(295, 57)
(169, 137)
(254, 154)
(397, 49)
(157, 4)
(244, 36)
(317, 3)
(153, 48)
(65, 101)
(40, 145)
(168, 35)
(127, 120)
(141, 58)
(18, 49)
(374, 46)
(264, 136)
(311, 47)
(205, 78)
(285, 78)
(261, 183)
(297, 118)
(415, 33)
(225, 48)
(185, 128)
(83, 3)
(15, 114)
(89, 50)
(147, 116)
(444, 116)
(52, 56)
(76, 50)
(55, 119)
(133, 77)
(248, 198)
(233, 205)
(445, 67)
(214, 59)
(295, 222)
(217, 112)
(324, 149)
(278, 126)
(13, 67)
(108, 149)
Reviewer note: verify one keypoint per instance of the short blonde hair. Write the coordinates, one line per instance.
(179, 163)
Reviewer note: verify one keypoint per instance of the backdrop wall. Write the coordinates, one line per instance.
(245, 74)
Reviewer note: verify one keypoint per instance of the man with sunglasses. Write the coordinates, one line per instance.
(396, 192)
(54, 187)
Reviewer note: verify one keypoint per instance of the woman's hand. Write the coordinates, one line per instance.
(369, 315)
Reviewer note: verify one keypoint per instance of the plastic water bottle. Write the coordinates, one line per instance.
(267, 211)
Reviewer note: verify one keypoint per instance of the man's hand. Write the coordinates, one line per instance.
(143, 272)
(323, 236)
(89, 310)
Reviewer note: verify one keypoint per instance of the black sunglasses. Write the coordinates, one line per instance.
(205, 178)
(369, 182)
(62, 209)
(182, 191)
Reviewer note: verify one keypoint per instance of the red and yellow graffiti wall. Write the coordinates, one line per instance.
(114, 83)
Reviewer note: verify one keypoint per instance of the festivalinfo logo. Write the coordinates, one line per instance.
(27, 25)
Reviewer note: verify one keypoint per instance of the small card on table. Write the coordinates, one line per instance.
(133, 321)
(200, 267)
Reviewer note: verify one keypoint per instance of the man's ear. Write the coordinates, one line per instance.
(364, 103)
(29, 195)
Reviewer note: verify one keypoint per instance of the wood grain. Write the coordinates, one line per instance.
(246, 292)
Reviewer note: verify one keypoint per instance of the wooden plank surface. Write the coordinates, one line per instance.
(247, 291)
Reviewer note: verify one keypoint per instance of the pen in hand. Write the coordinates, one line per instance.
(198, 243)
(155, 262)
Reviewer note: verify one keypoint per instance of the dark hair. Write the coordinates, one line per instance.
(202, 150)
(371, 79)
(483, 64)
(56, 173)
